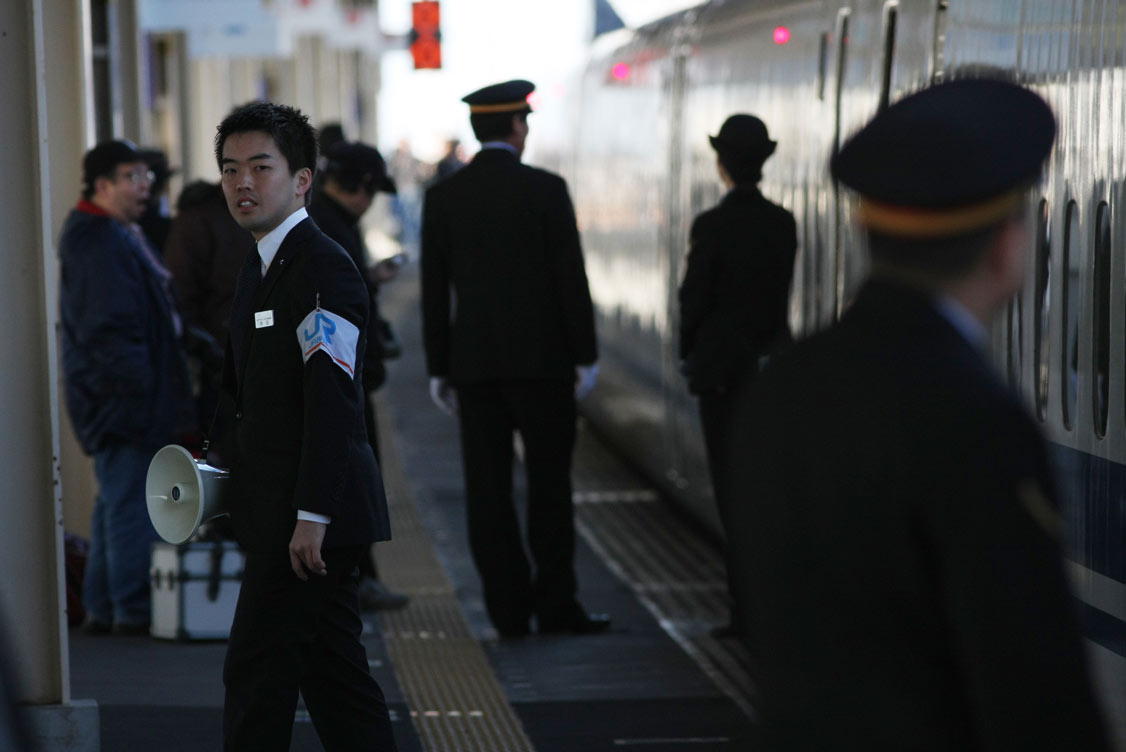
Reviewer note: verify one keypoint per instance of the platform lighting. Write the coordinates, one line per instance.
(620, 71)
(781, 35)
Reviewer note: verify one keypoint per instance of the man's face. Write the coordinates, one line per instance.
(259, 188)
(125, 194)
(519, 132)
(357, 202)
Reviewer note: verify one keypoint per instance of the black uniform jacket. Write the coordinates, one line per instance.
(502, 237)
(298, 437)
(342, 226)
(736, 288)
(899, 552)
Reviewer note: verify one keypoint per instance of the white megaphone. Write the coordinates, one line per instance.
(183, 493)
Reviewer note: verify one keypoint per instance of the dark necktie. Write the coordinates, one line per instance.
(249, 277)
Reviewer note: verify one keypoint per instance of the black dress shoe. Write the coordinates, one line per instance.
(514, 633)
(95, 628)
(581, 623)
(131, 630)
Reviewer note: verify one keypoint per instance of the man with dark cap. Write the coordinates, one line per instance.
(512, 355)
(156, 221)
(733, 300)
(351, 175)
(901, 563)
(127, 383)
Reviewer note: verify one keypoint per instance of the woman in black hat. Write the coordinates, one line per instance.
(734, 297)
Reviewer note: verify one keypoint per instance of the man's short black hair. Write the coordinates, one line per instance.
(290, 129)
(937, 260)
(494, 126)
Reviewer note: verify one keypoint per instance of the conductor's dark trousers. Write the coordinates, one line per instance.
(543, 413)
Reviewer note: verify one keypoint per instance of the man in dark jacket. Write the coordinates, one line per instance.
(901, 565)
(734, 299)
(500, 238)
(127, 386)
(305, 493)
(204, 251)
(351, 175)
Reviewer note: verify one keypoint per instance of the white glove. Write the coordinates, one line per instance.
(443, 395)
(585, 376)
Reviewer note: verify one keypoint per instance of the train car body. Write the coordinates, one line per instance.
(633, 146)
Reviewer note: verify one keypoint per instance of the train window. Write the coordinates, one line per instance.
(1041, 350)
(822, 64)
(1014, 331)
(842, 58)
(891, 15)
(1100, 315)
(1069, 308)
(938, 45)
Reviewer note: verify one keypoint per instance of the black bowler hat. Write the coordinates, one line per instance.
(357, 164)
(510, 96)
(104, 158)
(947, 160)
(743, 138)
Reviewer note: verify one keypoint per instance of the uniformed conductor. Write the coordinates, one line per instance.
(902, 565)
(509, 336)
(306, 496)
(734, 299)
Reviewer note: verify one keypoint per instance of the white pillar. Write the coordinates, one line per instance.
(42, 127)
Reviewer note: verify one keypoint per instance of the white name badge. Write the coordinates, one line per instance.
(263, 319)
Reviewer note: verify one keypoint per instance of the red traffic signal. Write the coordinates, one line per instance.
(426, 37)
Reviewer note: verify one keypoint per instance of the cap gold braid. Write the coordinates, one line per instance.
(482, 109)
(919, 223)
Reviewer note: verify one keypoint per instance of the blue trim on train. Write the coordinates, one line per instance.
(1093, 500)
(1102, 628)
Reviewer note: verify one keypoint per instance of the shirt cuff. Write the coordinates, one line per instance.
(324, 519)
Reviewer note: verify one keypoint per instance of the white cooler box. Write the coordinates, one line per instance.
(194, 589)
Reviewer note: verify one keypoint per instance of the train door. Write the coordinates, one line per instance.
(672, 382)
(836, 258)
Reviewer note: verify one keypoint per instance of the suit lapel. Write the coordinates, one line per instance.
(256, 296)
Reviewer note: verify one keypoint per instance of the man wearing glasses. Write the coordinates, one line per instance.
(127, 386)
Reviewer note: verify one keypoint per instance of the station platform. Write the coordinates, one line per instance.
(656, 682)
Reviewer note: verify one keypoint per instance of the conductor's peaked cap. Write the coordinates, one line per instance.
(510, 96)
(947, 160)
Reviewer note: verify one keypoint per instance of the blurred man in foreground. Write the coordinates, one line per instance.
(901, 565)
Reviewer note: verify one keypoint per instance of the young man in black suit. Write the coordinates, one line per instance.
(500, 237)
(306, 495)
(901, 563)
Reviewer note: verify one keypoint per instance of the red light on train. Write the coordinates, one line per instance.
(620, 71)
(781, 35)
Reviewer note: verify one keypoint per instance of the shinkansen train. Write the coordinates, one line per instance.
(630, 134)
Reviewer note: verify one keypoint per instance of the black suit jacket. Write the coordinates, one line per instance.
(736, 288)
(504, 289)
(897, 547)
(298, 439)
(344, 227)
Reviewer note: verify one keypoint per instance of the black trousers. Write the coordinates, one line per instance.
(293, 636)
(544, 415)
(719, 416)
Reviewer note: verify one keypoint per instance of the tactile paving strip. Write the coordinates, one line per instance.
(676, 574)
(456, 703)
